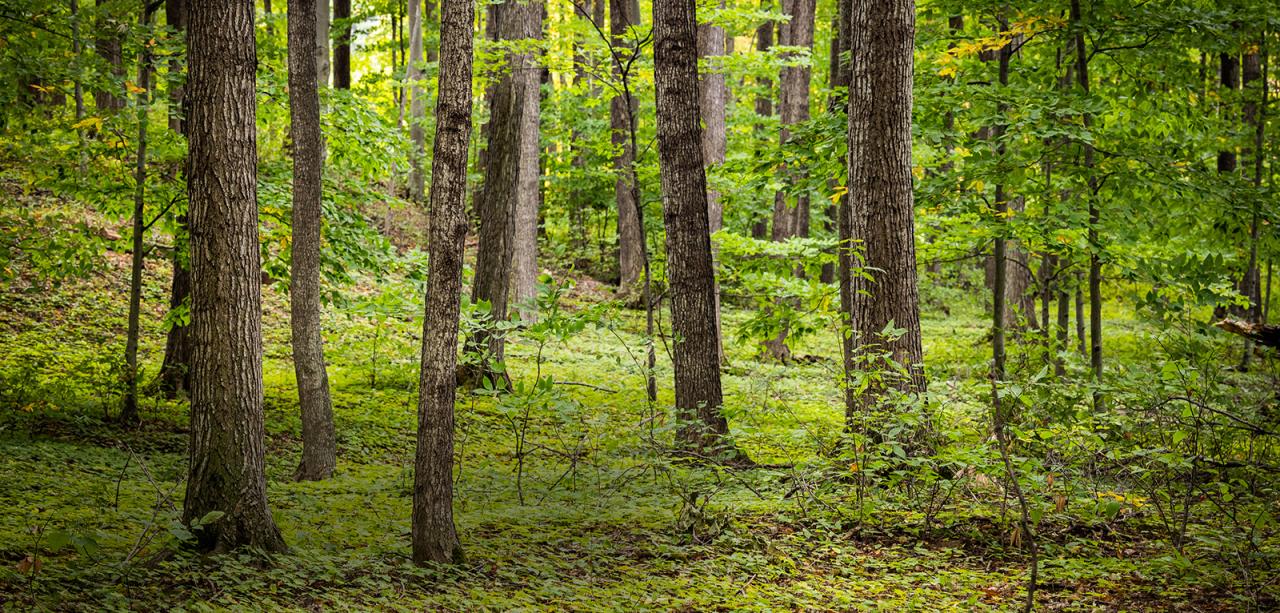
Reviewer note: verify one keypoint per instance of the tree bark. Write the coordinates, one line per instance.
(713, 102)
(417, 103)
(838, 78)
(498, 202)
(623, 14)
(435, 538)
(342, 48)
(226, 471)
(319, 447)
(880, 194)
(527, 200)
(175, 375)
(702, 425)
(792, 219)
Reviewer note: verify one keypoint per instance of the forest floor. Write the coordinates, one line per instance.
(564, 500)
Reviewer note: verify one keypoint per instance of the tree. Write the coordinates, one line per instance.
(713, 102)
(417, 102)
(498, 202)
(319, 447)
(342, 48)
(524, 214)
(699, 400)
(764, 102)
(175, 370)
(435, 538)
(129, 413)
(1095, 260)
(623, 15)
(880, 199)
(323, 38)
(108, 46)
(226, 473)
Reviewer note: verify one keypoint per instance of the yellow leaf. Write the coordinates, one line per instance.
(840, 191)
(977, 185)
(949, 71)
(95, 122)
(134, 89)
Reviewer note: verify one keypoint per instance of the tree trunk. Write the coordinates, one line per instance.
(623, 14)
(1000, 293)
(227, 470)
(323, 37)
(76, 48)
(417, 103)
(129, 412)
(498, 204)
(174, 378)
(1254, 116)
(1229, 79)
(319, 448)
(527, 200)
(108, 47)
(1095, 261)
(713, 102)
(838, 78)
(702, 425)
(435, 539)
(764, 104)
(342, 48)
(880, 195)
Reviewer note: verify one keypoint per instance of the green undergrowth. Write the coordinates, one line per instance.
(586, 511)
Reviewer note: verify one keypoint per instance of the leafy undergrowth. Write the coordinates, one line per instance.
(566, 498)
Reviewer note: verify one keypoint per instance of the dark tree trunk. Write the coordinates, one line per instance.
(702, 426)
(527, 198)
(227, 470)
(1095, 261)
(624, 14)
(498, 204)
(417, 103)
(342, 48)
(838, 78)
(1255, 117)
(319, 447)
(109, 49)
(880, 194)
(129, 412)
(1000, 257)
(435, 539)
(174, 378)
(1229, 79)
(764, 105)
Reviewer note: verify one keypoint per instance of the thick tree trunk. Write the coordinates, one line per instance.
(109, 49)
(129, 412)
(417, 103)
(699, 400)
(792, 218)
(175, 377)
(527, 198)
(498, 204)
(435, 539)
(319, 447)
(880, 194)
(342, 48)
(623, 14)
(838, 78)
(227, 470)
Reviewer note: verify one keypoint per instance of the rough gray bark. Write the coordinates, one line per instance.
(497, 203)
(623, 14)
(108, 48)
(699, 400)
(838, 78)
(417, 102)
(129, 412)
(226, 471)
(342, 47)
(319, 446)
(435, 538)
(880, 193)
(527, 198)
